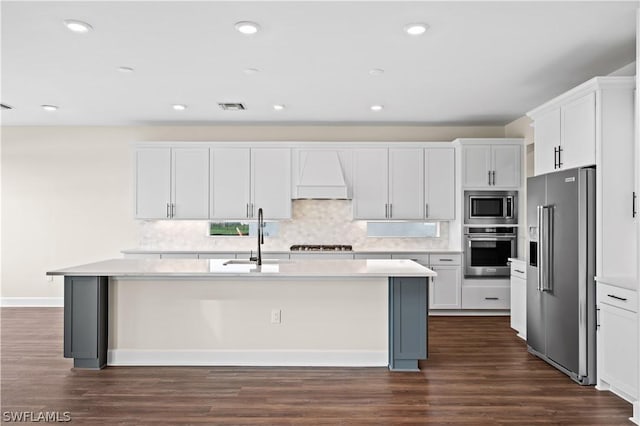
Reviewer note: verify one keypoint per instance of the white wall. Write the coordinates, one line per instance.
(67, 191)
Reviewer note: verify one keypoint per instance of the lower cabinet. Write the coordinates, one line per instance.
(444, 291)
(519, 297)
(85, 321)
(486, 297)
(618, 341)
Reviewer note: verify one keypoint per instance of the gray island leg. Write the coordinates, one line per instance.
(85, 321)
(407, 322)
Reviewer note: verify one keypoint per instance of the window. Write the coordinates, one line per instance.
(241, 229)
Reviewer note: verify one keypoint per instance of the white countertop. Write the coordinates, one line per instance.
(270, 268)
(208, 251)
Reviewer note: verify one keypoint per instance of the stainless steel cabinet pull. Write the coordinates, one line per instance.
(519, 271)
(386, 211)
(247, 209)
(555, 157)
(426, 210)
(560, 156)
(493, 176)
(613, 296)
(390, 210)
(445, 260)
(168, 212)
(489, 177)
(173, 209)
(633, 205)
(252, 210)
(597, 317)
(491, 298)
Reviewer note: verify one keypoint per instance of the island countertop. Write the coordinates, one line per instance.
(230, 268)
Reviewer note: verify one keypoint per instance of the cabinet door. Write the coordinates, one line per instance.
(444, 290)
(578, 128)
(190, 183)
(406, 183)
(519, 306)
(618, 349)
(271, 182)
(153, 183)
(230, 183)
(506, 166)
(439, 185)
(476, 164)
(370, 190)
(547, 138)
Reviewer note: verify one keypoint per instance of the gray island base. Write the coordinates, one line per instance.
(210, 312)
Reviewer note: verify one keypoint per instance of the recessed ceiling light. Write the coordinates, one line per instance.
(49, 107)
(250, 71)
(77, 26)
(376, 71)
(278, 107)
(125, 69)
(377, 108)
(179, 107)
(247, 27)
(416, 29)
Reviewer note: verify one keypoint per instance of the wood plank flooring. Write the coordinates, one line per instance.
(479, 373)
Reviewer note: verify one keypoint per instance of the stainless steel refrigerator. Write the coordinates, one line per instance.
(561, 306)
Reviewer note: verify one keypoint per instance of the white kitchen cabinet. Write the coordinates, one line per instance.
(491, 163)
(519, 297)
(439, 183)
(570, 128)
(172, 183)
(617, 341)
(578, 132)
(245, 179)
(444, 289)
(388, 183)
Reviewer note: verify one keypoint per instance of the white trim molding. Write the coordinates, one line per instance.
(32, 302)
(265, 358)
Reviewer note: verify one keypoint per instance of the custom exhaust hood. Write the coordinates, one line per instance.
(321, 176)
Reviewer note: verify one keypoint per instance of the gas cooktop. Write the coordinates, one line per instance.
(320, 247)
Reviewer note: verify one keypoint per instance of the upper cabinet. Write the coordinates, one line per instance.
(246, 179)
(404, 183)
(593, 124)
(172, 183)
(439, 183)
(565, 135)
(491, 163)
(388, 183)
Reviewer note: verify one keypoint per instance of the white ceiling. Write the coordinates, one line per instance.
(479, 62)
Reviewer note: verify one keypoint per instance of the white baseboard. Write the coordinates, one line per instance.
(275, 358)
(32, 302)
(636, 413)
(469, 313)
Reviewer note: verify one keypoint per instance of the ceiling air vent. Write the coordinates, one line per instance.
(231, 106)
(5, 106)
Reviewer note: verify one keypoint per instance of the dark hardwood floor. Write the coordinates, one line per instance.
(478, 373)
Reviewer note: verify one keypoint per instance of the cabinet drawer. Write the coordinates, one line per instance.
(485, 297)
(617, 296)
(422, 259)
(445, 259)
(519, 270)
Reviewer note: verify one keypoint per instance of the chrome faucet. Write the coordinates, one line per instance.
(258, 259)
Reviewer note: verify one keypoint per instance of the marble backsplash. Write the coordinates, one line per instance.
(313, 222)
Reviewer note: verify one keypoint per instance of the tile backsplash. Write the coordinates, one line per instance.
(313, 222)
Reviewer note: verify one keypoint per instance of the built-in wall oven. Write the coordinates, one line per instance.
(491, 207)
(487, 250)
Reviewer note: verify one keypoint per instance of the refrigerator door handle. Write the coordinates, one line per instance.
(539, 247)
(547, 236)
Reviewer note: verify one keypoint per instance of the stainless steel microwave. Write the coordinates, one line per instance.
(491, 207)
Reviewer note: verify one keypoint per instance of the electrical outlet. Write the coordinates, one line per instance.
(276, 316)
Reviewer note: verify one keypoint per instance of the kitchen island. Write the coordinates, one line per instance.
(233, 312)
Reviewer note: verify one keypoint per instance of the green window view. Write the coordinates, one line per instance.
(229, 228)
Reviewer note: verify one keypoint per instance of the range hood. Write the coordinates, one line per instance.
(321, 176)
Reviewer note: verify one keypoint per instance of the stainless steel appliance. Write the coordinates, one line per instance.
(561, 308)
(487, 250)
(491, 207)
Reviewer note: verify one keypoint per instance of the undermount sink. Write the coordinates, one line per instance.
(252, 262)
